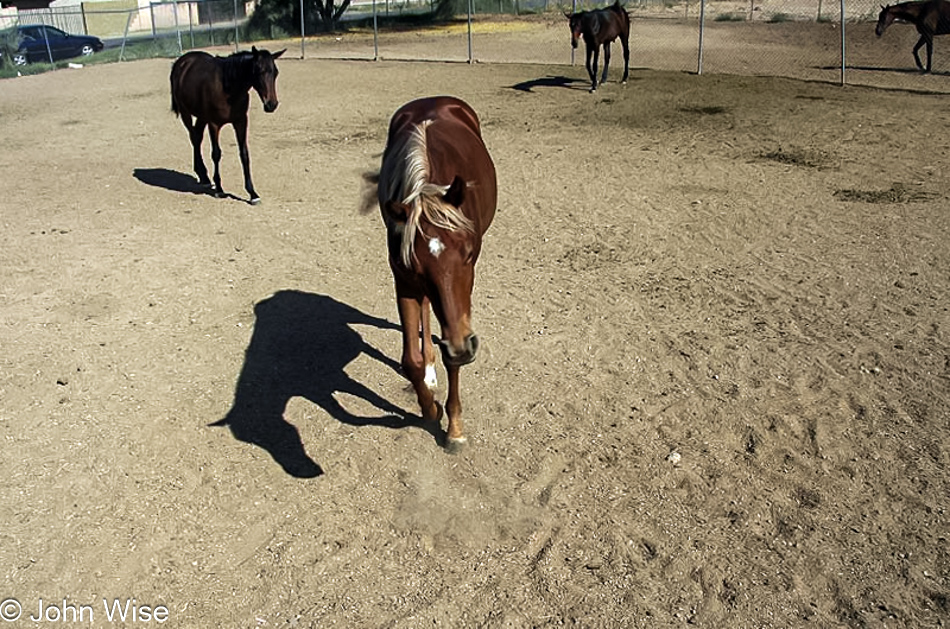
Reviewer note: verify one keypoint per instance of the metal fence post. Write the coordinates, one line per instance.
(375, 34)
(234, 17)
(471, 59)
(125, 36)
(842, 42)
(303, 34)
(177, 27)
(702, 28)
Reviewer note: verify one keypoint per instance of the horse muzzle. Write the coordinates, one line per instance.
(270, 106)
(456, 357)
(573, 42)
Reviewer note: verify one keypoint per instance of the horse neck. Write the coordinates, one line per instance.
(237, 74)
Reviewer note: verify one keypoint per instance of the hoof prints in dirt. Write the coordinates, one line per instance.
(800, 157)
(897, 193)
(710, 110)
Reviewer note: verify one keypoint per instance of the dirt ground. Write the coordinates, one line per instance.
(713, 389)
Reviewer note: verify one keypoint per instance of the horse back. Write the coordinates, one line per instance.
(197, 88)
(608, 24)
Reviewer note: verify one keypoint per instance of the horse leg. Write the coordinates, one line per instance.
(213, 133)
(196, 132)
(428, 350)
(920, 44)
(626, 59)
(930, 51)
(591, 72)
(413, 362)
(240, 131)
(603, 78)
(453, 405)
(592, 53)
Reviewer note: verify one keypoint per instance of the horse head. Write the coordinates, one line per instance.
(443, 257)
(264, 78)
(884, 19)
(575, 20)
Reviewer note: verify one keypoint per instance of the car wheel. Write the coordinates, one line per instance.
(87, 50)
(19, 59)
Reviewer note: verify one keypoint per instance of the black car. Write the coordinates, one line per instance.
(38, 41)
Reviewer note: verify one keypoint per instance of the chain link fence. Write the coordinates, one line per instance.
(825, 40)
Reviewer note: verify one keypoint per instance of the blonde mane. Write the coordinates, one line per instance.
(407, 179)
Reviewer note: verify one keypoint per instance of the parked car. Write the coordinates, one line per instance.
(38, 41)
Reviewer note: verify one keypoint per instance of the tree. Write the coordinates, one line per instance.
(276, 17)
(329, 14)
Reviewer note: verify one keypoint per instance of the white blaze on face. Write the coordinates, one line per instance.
(436, 247)
(430, 378)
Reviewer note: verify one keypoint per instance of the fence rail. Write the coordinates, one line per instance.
(825, 39)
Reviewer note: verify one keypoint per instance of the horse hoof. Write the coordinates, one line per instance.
(454, 445)
(255, 200)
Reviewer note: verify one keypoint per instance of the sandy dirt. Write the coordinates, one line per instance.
(713, 389)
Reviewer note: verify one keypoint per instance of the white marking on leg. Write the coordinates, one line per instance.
(430, 379)
(436, 247)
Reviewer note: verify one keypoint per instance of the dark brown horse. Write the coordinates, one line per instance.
(599, 28)
(931, 18)
(216, 91)
(437, 194)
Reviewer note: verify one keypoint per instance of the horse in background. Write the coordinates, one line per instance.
(931, 18)
(437, 194)
(599, 28)
(215, 91)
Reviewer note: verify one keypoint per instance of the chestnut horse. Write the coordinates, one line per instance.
(599, 28)
(215, 91)
(437, 194)
(931, 18)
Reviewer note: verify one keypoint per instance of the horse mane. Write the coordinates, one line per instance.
(423, 198)
(236, 71)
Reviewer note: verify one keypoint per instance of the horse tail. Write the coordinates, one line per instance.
(370, 199)
(171, 79)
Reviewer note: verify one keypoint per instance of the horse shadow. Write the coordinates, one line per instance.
(175, 181)
(300, 347)
(548, 81)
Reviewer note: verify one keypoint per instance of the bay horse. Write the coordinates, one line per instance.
(215, 91)
(599, 28)
(931, 18)
(437, 194)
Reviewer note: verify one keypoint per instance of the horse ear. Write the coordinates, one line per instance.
(254, 49)
(278, 53)
(396, 210)
(455, 195)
